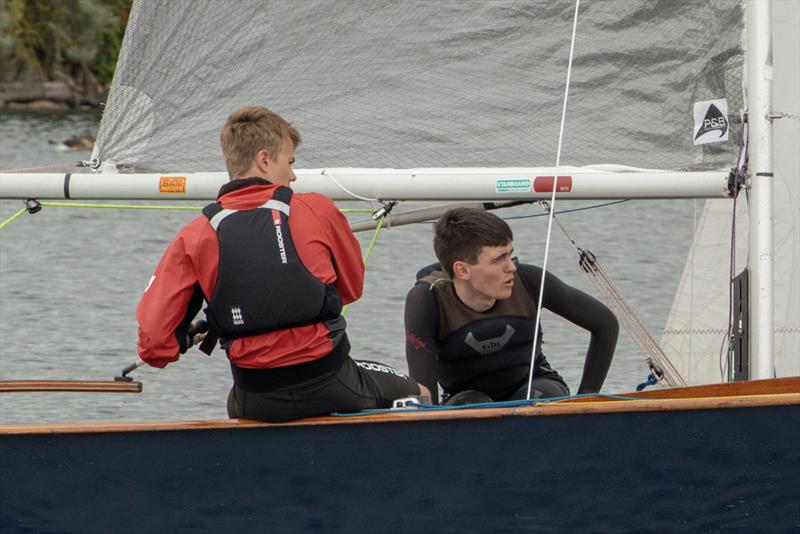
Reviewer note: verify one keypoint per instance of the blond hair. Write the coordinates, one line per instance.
(248, 130)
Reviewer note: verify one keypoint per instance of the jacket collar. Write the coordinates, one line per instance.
(235, 185)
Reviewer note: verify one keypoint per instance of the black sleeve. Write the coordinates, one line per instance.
(421, 318)
(582, 310)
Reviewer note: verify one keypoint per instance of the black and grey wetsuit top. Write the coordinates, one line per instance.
(450, 344)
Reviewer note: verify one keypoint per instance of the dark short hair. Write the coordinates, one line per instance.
(461, 233)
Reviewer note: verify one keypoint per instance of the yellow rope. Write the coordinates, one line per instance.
(134, 207)
(19, 214)
(369, 250)
(13, 218)
(373, 240)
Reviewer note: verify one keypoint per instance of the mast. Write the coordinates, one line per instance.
(760, 254)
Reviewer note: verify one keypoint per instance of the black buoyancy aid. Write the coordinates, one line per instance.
(262, 285)
(487, 351)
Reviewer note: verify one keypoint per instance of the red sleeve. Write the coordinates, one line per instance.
(326, 245)
(166, 298)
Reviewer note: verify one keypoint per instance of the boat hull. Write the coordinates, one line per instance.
(601, 469)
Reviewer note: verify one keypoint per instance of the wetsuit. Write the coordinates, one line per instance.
(291, 370)
(449, 344)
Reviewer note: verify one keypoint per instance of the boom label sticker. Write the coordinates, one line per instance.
(544, 184)
(172, 184)
(710, 121)
(512, 185)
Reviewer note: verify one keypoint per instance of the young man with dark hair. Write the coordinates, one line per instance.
(275, 269)
(470, 319)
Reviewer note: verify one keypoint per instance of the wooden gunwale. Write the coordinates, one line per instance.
(590, 406)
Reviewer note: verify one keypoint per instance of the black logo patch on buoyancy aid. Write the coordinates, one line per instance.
(262, 285)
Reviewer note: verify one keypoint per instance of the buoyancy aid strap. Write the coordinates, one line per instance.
(273, 204)
(279, 201)
(219, 217)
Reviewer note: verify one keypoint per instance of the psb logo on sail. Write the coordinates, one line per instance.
(710, 121)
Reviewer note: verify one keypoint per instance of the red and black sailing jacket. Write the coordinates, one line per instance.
(325, 247)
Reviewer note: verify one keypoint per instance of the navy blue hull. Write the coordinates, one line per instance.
(700, 471)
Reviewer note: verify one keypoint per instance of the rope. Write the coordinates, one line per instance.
(13, 218)
(371, 246)
(725, 364)
(372, 241)
(418, 406)
(553, 199)
(343, 188)
(657, 361)
(736, 179)
(132, 207)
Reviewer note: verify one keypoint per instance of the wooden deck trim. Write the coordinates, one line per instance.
(543, 409)
(790, 384)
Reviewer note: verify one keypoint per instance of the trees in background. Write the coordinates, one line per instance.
(71, 41)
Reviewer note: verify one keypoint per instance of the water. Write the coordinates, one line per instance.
(70, 280)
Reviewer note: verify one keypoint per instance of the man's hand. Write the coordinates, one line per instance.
(197, 333)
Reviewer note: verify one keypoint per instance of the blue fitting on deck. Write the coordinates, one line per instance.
(651, 380)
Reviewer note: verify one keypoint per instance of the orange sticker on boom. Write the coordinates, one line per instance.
(172, 184)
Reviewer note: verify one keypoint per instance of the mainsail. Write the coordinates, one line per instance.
(425, 84)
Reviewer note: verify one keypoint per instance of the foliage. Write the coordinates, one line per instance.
(63, 40)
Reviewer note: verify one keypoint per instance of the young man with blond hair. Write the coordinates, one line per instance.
(275, 269)
(470, 319)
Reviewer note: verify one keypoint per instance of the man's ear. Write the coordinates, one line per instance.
(262, 159)
(461, 270)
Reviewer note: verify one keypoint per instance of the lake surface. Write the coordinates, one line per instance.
(70, 280)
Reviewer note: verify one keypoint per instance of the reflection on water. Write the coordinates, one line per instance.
(70, 280)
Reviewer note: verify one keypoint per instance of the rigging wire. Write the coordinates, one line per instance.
(573, 210)
(661, 368)
(736, 180)
(553, 199)
(725, 364)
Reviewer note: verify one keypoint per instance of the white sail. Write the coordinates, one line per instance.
(410, 84)
(695, 335)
